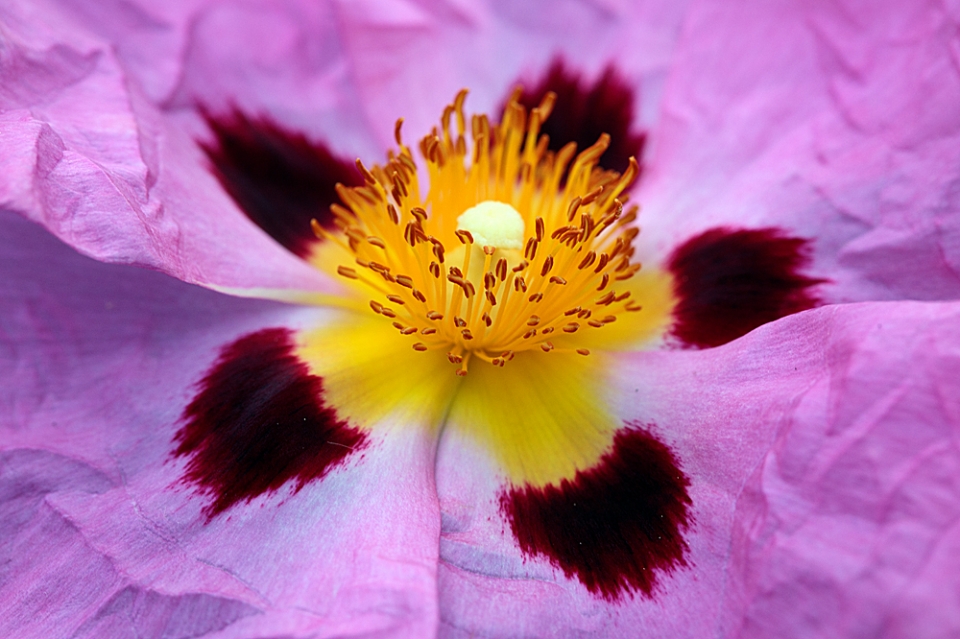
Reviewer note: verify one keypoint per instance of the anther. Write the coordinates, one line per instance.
(547, 265)
(420, 346)
(604, 258)
(530, 250)
(583, 351)
(606, 299)
(396, 299)
(591, 196)
(502, 269)
(347, 272)
(396, 132)
(587, 260)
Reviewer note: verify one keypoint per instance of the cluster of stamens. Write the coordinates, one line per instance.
(445, 290)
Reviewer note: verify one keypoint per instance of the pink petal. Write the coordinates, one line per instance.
(299, 73)
(410, 58)
(825, 486)
(834, 121)
(88, 157)
(98, 362)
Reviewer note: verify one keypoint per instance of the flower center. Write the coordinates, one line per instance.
(500, 255)
(493, 224)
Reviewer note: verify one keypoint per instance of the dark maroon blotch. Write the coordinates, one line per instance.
(583, 111)
(278, 177)
(617, 526)
(258, 422)
(730, 281)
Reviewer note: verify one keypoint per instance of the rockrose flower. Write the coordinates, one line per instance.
(660, 343)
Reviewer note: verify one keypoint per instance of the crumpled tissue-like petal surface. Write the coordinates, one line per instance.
(87, 155)
(834, 120)
(824, 486)
(98, 362)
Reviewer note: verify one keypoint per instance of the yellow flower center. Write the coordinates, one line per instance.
(500, 255)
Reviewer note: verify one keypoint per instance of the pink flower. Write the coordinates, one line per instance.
(156, 476)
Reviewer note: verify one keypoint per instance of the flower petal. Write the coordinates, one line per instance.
(824, 484)
(408, 61)
(99, 362)
(587, 108)
(87, 156)
(834, 122)
(730, 281)
(259, 421)
(279, 178)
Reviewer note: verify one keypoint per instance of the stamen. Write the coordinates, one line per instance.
(490, 185)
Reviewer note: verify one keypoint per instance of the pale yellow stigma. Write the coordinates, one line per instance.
(495, 224)
(513, 248)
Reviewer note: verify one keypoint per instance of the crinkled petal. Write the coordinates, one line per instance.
(409, 58)
(836, 121)
(87, 155)
(824, 485)
(98, 363)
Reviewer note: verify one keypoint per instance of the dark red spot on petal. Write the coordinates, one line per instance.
(730, 281)
(584, 110)
(279, 178)
(616, 526)
(258, 422)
